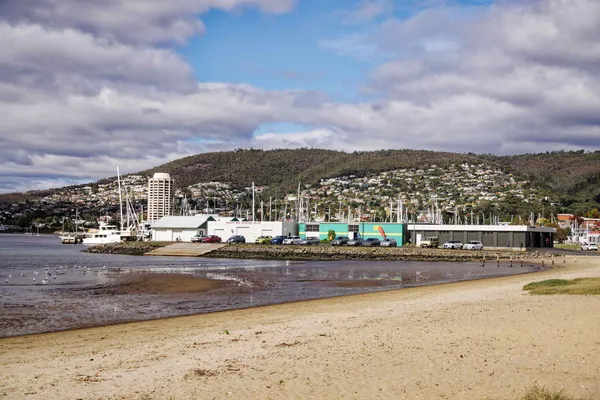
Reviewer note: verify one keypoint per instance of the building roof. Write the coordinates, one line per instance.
(161, 175)
(175, 221)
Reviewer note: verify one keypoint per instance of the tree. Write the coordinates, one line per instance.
(331, 235)
(562, 234)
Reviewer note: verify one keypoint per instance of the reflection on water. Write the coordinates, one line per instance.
(74, 289)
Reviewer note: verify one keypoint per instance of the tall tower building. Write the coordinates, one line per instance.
(160, 196)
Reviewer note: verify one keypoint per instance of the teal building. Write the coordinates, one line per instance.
(366, 230)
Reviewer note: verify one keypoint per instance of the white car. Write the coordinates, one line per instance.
(589, 247)
(453, 244)
(292, 240)
(473, 245)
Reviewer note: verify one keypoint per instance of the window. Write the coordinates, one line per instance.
(353, 228)
(312, 227)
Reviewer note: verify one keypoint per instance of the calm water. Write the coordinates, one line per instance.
(47, 286)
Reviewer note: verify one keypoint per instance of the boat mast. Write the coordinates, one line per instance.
(120, 198)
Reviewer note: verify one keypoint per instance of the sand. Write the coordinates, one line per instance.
(470, 340)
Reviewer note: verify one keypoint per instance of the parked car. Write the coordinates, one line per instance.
(340, 241)
(198, 238)
(371, 242)
(388, 243)
(236, 239)
(292, 240)
(278, 240)
(263, 240)
(355, 242)
(212, 239)
(310, 240)
(473, 245)
(453, 244)
(430, 242)
(589, 247)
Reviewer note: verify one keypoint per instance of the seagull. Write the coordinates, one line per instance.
(10, 275)
(7, 281)
(34, 279)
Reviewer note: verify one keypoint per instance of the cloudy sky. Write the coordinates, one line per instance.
(86, 86)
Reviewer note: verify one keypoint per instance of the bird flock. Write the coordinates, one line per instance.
(50, 274)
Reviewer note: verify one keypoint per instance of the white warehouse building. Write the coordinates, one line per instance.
(248, 229)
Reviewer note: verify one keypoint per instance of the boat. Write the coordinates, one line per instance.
(106, 234)
(72, 237)
(112, 233)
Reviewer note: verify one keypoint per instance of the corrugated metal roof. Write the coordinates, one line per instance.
(176, 221)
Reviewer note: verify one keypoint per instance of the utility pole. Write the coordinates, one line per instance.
(270, 208)
(253, 216)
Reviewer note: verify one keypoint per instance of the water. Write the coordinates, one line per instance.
(73, 289)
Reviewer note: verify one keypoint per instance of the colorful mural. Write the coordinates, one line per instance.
(364, 229)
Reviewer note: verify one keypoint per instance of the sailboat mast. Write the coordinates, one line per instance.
(120, 198)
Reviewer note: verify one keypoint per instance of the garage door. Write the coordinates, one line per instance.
(220, 233)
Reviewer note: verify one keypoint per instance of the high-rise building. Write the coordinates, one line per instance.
(160, 196)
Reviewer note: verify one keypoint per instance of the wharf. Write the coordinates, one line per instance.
(186, 249)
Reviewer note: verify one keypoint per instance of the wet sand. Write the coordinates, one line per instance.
(87, 296)
(163, 284)
(466, 340)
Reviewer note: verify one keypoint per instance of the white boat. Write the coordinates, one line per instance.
(106, 234)
(111, 233)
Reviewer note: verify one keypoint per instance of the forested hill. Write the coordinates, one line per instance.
(283, 169)
(568, 176)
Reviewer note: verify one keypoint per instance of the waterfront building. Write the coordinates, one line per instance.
(160, 196)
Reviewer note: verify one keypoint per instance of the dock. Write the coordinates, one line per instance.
(186, 249)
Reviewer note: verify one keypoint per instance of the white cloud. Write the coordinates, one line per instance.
(367, 10)
(81, 95)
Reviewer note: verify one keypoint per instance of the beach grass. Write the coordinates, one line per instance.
(580, 286)
(540, 393)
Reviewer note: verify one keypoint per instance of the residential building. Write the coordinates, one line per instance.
(160, 196)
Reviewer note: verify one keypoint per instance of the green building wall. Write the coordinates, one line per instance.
(366, 230)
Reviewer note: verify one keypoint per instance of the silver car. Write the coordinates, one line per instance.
(355, 242)
(310, 240)
(388, 243)
(292, 240)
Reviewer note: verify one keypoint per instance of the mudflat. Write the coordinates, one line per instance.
(468, 340)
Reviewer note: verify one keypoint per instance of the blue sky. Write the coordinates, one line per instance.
(278, 52)
(283, 52)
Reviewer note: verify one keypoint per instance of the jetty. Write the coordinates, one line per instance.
(186, 249)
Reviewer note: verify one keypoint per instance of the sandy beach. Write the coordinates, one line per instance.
(468, 340)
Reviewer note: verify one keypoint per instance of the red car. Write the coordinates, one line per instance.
(211, 239)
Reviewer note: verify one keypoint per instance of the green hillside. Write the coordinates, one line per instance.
(572, 178)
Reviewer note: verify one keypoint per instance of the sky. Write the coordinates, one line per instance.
(89, 86)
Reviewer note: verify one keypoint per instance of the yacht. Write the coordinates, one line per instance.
(106, 234)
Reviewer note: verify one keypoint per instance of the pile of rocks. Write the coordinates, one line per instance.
(126, 248)
(361, 253)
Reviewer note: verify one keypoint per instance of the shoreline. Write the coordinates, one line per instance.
(472, 340)
(324, 253)
(205, 286)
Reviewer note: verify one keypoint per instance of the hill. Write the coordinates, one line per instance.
(571, 178)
